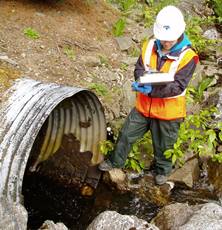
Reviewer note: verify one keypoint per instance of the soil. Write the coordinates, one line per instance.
(81, 26)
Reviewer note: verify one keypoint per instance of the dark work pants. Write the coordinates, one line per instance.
(164, 135)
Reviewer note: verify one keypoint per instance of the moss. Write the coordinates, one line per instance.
(7, 76)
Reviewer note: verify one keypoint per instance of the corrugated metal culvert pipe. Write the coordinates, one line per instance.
(25, 108)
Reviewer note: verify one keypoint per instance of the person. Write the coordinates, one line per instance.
(159, 108)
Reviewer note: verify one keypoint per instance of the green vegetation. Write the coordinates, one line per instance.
(127, 4)
(69, 52)
(106, 147)
(104, 61)
(124, 5)
(124, 66)
(197, 135)
(134, 52)
(134, 158)
(31, 33)
(194, 32)
(100, 89)
(119, 27)
(133, 161)
(216, 4)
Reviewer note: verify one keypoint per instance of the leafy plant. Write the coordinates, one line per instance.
(31, 33)
(193, 94)
(118, 27)
(105, 147)
(216, 4)
(100, 89)
(198, 135)
(194, 32)
(127, 4)
(69, 52)
(134, 161)
(204, 84)
(124, 5)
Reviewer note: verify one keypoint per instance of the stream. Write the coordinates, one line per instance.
(45, 200)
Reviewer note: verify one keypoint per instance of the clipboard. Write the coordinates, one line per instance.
(158, 78)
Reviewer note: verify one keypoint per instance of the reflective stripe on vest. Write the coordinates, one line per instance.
(163, 108)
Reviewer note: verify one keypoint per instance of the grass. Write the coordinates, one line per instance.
(119, 27)
(69, 52)
(31, 33)
(100, 89)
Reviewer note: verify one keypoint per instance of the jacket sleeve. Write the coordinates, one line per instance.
(139, 68)
(182, 79)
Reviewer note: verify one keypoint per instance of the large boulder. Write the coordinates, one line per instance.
(208, 217)
(188, 174)
(111, 220)
(180, 216)
(172, 216)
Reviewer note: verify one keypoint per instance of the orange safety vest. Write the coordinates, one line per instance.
(169, 108)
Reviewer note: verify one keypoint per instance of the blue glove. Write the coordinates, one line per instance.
(145, 89)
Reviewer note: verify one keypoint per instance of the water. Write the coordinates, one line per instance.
(47, 201)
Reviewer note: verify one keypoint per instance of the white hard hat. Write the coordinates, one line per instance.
(169, 24)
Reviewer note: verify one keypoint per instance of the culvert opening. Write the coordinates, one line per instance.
(66, 147)
(61, 173)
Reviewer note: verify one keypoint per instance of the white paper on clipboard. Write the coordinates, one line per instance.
(156, 78)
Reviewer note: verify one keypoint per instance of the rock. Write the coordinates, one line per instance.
(129, 97)
(117, 178)
(40, 14)
(193, 8)
(215, 99)
(5, 58)
(50, 225)
(111, 220)
(117, 175)
(188, 174)
(180, 216)
(198, 75)
(124, 42)
(208, 217)
(172, 216)
(211, 34)
(219, 148)
(219, 61)
(130, 61)
(90, 61)
(148, 191)
(141, 33)
(12, 215)
(214, 175)
(68, 166)
(210, 71)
